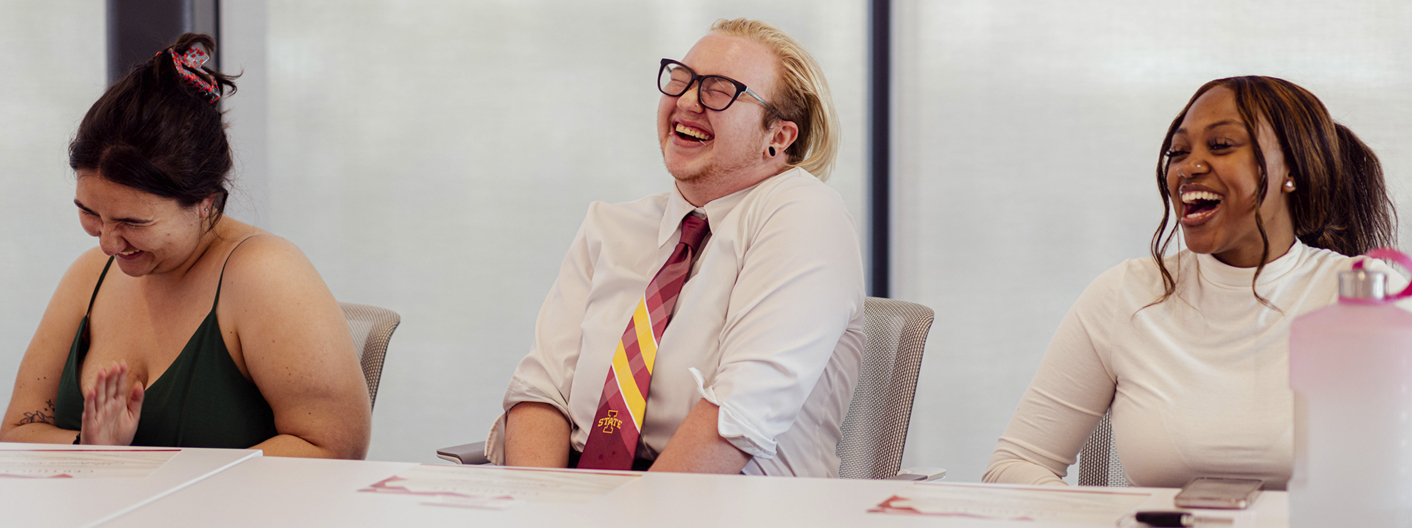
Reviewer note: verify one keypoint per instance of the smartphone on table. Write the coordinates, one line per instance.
(1219, 493)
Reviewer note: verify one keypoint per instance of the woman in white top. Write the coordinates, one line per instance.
(1191, 350)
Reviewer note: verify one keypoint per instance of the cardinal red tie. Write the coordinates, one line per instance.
(612, 439)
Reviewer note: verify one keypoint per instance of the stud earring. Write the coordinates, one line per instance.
(1289, 184)
(772, 151)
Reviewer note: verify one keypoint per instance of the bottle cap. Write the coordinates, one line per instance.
(1362, 284)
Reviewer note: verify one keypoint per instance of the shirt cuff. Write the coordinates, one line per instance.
(736, 431)
(495, 442)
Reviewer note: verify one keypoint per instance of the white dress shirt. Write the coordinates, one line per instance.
(771, 320)
(1199, 384)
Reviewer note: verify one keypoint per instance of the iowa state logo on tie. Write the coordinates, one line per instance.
(611, 422)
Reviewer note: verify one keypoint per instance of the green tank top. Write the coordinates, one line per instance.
(201, 400)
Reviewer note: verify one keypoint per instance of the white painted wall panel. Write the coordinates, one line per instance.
(1028, 141)
(52, 67)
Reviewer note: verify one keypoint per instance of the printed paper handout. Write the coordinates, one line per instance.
(114, 463)
(1011, 504)
(492, 487)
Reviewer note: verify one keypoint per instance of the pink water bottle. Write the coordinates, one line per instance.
(1350, 366)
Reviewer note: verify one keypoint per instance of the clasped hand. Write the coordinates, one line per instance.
(111, 408)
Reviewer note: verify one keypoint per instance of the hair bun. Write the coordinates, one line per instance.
(157, 131)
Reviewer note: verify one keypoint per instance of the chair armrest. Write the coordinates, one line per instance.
(920, 474)
(472, 453)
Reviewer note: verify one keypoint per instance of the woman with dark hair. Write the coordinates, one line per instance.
(215, 333)
(1190, 351)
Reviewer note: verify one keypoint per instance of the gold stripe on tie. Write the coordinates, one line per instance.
(627, 385)
(646, 342)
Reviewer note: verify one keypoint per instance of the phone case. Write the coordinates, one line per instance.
(1219, 493)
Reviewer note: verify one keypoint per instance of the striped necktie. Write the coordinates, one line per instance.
(612, 439)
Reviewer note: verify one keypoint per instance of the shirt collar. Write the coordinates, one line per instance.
(1224, 274)
(713, 211)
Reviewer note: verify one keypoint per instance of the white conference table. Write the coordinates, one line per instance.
(273, 491)
(36, 502)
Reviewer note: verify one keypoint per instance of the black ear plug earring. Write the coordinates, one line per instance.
(772, 151)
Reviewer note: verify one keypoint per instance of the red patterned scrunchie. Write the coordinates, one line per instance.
(192, 60)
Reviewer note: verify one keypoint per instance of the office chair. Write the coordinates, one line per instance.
(372, 328)
(875, 429)
(1098, 460)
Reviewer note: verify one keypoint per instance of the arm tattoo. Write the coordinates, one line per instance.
(45, 415)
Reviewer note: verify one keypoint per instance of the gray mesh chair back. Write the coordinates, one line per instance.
(1098, 460)
(875, 430)
(371, 328)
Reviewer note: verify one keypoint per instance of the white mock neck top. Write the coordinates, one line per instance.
(1198, 384)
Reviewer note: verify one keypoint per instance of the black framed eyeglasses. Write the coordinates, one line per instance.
(716, 92)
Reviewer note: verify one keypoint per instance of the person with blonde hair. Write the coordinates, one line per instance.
(741, 288)
(804, 98)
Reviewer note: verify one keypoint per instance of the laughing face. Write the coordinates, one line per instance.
(1213, 178)
(147, 233)
(700, 144)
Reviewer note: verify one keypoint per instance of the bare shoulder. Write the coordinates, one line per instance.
(89, 263)
(265, 269)
(92, 260)
(260, 249)
(77, 284)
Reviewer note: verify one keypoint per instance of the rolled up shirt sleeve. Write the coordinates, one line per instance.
(799, 287)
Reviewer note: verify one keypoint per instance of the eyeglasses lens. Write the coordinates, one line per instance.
(716, 93)
(674, 80)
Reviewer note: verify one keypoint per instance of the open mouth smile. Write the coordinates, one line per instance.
(1199, 206)
(688, 133)
(129, 255)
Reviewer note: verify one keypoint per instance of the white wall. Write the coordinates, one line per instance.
(1028, 142)
(244, 51)
(52, 67)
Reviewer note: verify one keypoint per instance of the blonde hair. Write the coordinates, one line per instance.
(802, 95)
